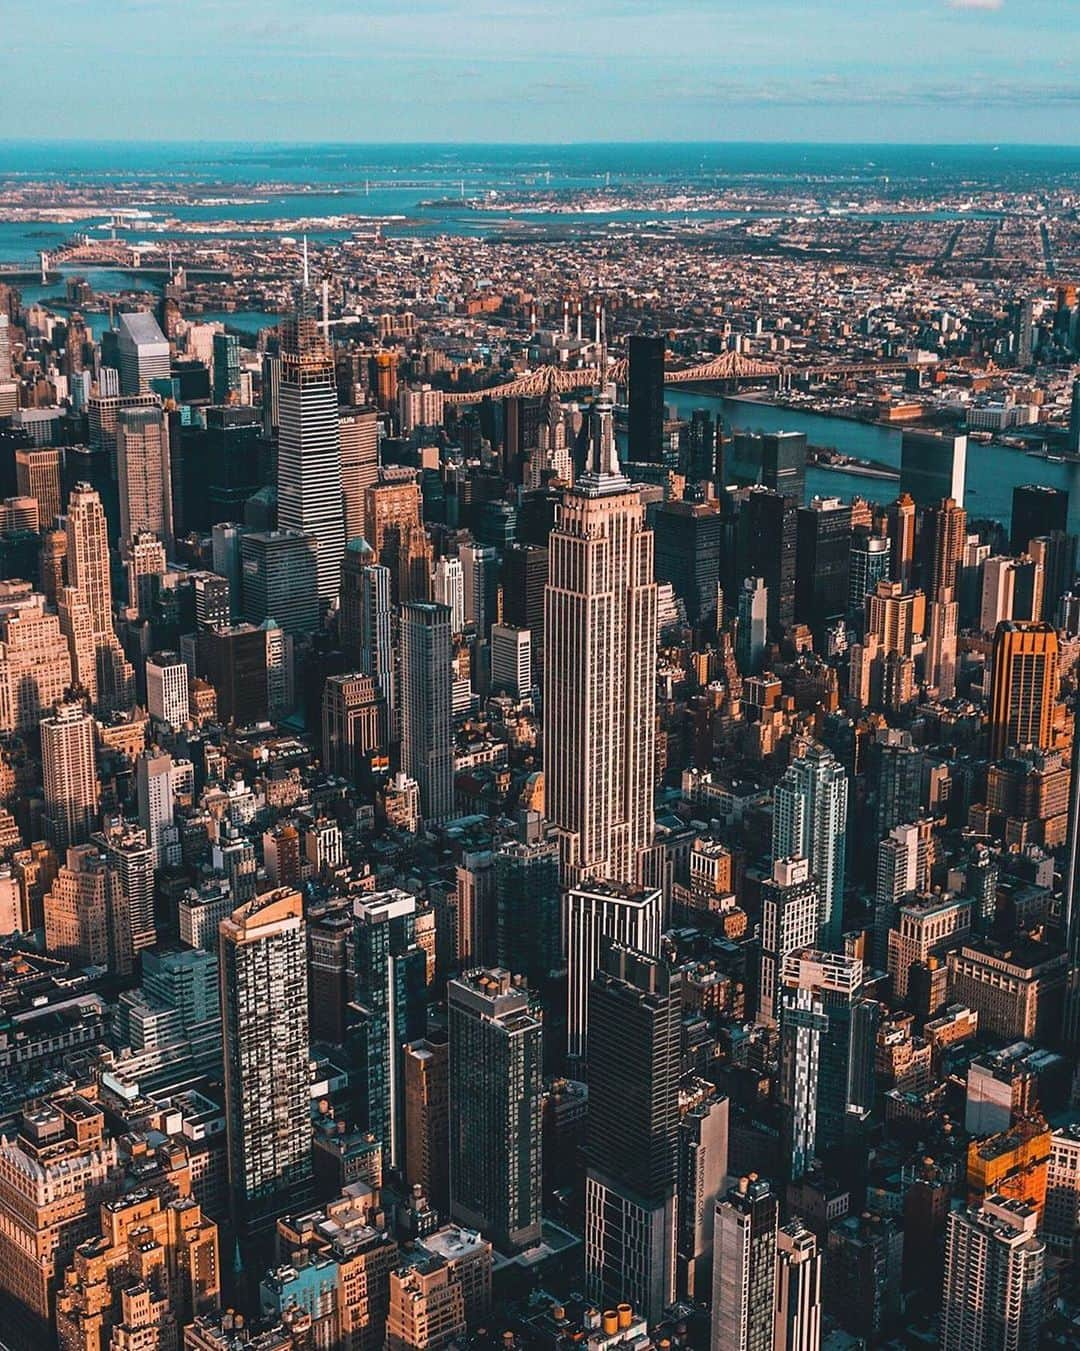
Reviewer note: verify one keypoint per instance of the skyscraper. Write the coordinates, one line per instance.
(309, 443)
(600, 618)
(1038, 509)
(427, 748)
(143, 351)
(264, 1001)
(932, 466)
(98, 663)
(359, 433)
(646, 425)
(354, 727)
(744, 1267)
(495, 1091)
(144, 467)
(993, 1289)
(635, 1011)
(226, 349)
(69, 766)
(1023, 686)
(395, 532)
(388, 1010)
(868, 561)
(596, 912)
(822, 559)
(790, 910)
(167, 689)
(827, 1031)
(281, 579)
(366, 619)
(689, 543)
(810, 821)
(37, 475)
(448, 588)
(797, 1325)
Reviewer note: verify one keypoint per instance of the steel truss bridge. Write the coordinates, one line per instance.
(728, 368)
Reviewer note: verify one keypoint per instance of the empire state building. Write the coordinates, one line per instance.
(309, 447)
(600, 628)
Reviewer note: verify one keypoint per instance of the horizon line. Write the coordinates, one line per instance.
(989, 143)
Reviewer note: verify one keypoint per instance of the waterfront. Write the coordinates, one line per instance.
(992, 471)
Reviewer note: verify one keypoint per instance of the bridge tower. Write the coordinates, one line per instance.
(43, 255)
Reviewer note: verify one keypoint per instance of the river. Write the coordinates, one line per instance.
(992, 471)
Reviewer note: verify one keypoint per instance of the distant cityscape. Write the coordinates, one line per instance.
(539, 783)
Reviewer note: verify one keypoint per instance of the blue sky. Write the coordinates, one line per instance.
(542, 70)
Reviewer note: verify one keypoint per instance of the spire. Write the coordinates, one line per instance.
(307, 278)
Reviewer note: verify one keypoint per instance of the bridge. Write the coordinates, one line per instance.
(727, 368)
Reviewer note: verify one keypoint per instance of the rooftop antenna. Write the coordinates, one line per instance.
(307, 279)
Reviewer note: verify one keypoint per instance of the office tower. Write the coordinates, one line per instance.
(901, 872)
(1023, 318)
(1055, 555)
(993, 1287)
(281, 854)
(744, 1268)
(448, 588)
(827, 1031)
(146, 567)
(766, 542)
(527, 905)
(213, 603)
(388, 1010)
(70, 771)
(98, 663)
(593, 913)
(635, 1009)
(1023, 686)
(359, 435)
(933, 466)
(1036, 509)
(810, 821)
(924, 929)
(511, 660)
(495, 1089)
(797, 1325)
(264, 999)
(689, 539)
(1061, 1219)
(35, 664)
(894, 616)
(226, 356)
(822, 559)
(167, 698)
(395, 531)
(775, 460)
(233, 660)
(1016, 989)
(143, 351)
(366, 619)
(480, 586)
(271, 395)
(646, 424)
(942, 624)
(159, 780)
(354, 726)
(419, 406)
(78, 910)
(144, 468)
(281, 580)
(221, 466)
(427, 749)
(37, 475)
(131, 862)
(750, 637)
(701, 1171)
(525, 569)
(703, 449)
(51, 571)
(427, 1120)
(309, 446)
(225, 539)
(790, 909)
(600, 616)
(1070, 901)
(945, 532)
(60, 1165)
(902, 540)
(864, 1267)
(5, 347)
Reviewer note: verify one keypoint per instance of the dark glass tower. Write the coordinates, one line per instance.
(635, 1013)
(646, 427)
